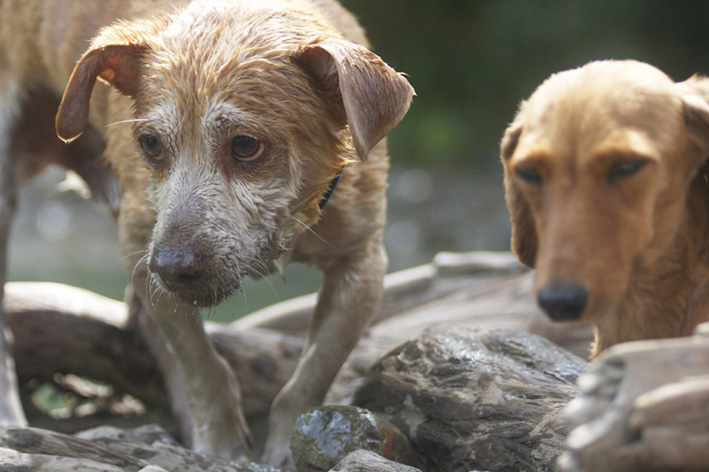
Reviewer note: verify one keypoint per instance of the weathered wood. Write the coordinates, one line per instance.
(60, 329)
(477, 289)
(106, 449)
(476, 399)
(643, 407)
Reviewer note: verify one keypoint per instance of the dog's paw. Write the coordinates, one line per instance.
(278, 455)
(228, 441)
(276, 450)
(220, 428)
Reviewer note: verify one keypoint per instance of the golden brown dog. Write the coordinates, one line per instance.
(227, 124)
(606, 180)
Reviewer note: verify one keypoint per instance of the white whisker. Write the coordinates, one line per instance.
(308, 228)
(134, 120)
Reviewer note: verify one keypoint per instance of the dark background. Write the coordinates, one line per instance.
(471, 62)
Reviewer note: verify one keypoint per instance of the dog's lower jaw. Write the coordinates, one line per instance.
(205, 299)
(201, 292)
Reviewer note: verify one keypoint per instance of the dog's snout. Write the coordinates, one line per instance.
(563, 302)
(178, 269)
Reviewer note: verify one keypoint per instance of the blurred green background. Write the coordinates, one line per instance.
(471, 62)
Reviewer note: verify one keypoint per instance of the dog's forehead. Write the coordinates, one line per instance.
(231, 47)
(247, 85)
(593, 107)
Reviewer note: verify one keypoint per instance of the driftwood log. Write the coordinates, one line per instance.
(644, 407)
(475, 399)
(63, 333)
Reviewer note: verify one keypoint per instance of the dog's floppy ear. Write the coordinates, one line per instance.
(116, 64)
(524, 233)
(695, 101)
(374, 96)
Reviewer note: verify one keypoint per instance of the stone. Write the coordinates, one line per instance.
(323, 436)
(368, 461)
(472, 399)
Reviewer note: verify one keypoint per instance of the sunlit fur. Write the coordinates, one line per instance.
(637, 244)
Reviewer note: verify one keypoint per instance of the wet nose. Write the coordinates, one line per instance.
(178, 268)
(563, 302)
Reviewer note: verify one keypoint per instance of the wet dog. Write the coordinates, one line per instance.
(606, 180)
(227, 125)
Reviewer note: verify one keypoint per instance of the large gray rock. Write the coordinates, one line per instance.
(471, 399)
(324, 436)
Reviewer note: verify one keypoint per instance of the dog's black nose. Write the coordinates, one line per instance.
(563, 302)
(178, 269)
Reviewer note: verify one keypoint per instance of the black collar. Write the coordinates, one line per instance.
(330, 190)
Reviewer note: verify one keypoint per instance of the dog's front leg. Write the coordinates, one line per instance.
(349, 296)
(212, 392)
(10, 407)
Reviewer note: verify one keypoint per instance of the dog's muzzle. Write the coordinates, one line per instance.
(178, 270)
(563, 302)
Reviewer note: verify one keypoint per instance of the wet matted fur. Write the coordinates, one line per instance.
(224, 123)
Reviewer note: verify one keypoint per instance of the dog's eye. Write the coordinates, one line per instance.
(529, 175)
(150, 145)
(623, 169)
(246, 148)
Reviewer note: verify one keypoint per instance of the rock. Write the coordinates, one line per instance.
(644, 406)
(323, 436)
(473, 399)
(367, 461)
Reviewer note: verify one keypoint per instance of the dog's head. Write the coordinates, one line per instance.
(597, 167)
(243, 117)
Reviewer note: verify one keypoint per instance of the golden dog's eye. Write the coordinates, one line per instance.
(150, 144)
(529, 175)
(246, 148)
(624, 169)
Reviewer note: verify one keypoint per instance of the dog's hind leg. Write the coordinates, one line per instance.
(10, 406)
(348, 298)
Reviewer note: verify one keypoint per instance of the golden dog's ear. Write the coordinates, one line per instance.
(373, 95)
(524, 233)
(114, 57)
(116, 64)
(695, 101)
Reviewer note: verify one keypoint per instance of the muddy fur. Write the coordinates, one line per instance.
(224, 123)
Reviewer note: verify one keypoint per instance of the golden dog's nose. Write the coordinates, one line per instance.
(563, 302)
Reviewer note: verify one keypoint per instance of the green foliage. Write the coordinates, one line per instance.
(472, 61)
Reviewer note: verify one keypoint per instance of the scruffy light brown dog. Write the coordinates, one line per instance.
(227, 125)
(606, 179)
